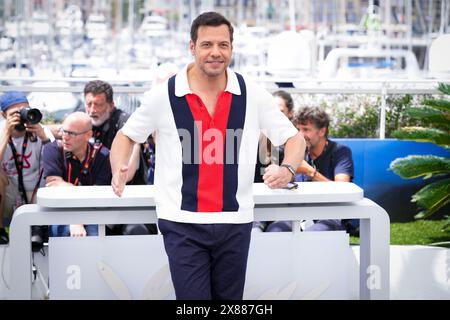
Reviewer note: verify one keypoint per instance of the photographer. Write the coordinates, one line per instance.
(21, 141)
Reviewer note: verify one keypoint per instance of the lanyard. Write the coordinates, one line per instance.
(85, 167)
(19, 165)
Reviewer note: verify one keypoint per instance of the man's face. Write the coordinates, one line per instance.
(75, 136)
(312, 134)
(98, 108)
(212, 50)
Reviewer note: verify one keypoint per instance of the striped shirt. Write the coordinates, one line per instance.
(205, 164)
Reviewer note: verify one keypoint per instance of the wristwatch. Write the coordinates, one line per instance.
(291, 170)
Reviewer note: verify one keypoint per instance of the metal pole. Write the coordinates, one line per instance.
(292, 15)
(50, 35)
(409, 22)
(383, 111)
(131, 21)
(118, 27)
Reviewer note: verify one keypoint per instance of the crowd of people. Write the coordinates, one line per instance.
(205, 210)
(74, 153)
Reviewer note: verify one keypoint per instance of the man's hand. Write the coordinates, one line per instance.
(37, 130)
(77, 230)
(305, 168)
(56, 181)
(11, 122)
(119, 180)
(276, 176)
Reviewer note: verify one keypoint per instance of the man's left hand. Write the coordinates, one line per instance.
(38, 130)
(276, 176)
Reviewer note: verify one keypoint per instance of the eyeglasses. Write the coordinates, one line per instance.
(71, 134)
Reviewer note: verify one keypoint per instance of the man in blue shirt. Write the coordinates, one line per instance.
(325, 160)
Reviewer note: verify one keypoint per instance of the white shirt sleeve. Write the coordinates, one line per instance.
(273, 123)
(143, 121)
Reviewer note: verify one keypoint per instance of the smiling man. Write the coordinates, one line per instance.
(207, 121)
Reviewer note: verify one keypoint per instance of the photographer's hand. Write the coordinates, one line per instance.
(38, 130)
(12, 120)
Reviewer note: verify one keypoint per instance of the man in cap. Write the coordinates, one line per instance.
(20, 155)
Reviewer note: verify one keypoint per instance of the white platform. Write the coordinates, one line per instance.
(104, 197)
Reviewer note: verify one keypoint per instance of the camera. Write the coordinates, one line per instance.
(30, 116)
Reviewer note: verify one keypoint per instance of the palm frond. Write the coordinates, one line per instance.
(414, 166)
(420, 134)
(432, 197)
(435, 117)
(440, 104)
(444, 88)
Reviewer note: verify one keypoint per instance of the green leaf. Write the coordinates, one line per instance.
(420, 134)
(436, 117)
(440, 104)
(432, 197)
(444, 88)
(447, 224)
(414, 166)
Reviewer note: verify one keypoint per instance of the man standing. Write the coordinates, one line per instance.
(76, 162)
(20, 155)
(207, 121)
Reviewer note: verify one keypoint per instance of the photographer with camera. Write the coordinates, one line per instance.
(21, 141)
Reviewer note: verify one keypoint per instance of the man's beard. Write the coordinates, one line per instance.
(97, 122)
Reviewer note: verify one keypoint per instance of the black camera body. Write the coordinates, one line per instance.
(28, 115)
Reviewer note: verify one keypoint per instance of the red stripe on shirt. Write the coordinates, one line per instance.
(210, 180)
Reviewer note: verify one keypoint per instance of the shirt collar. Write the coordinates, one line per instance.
(182, 84)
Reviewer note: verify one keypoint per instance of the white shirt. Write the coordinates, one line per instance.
(31, 161)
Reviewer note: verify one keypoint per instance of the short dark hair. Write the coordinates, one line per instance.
(212, 19)
(97, 86)
(317, 116)
(286, 96)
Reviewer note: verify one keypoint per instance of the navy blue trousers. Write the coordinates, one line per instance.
(207, 261)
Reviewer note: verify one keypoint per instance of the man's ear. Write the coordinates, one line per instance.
(3, 114)
(322, 132)
(192, 47)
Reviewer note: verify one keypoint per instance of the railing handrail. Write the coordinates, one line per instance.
(306, 85)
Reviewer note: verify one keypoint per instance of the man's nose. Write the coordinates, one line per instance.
(90, 108)
(215, 51)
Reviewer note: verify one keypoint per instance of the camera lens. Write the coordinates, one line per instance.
(30, 115)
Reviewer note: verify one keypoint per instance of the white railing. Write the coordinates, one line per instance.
(381, 87)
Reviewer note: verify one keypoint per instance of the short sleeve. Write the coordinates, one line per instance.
(142, 121)
(273, 123)
(344, 161)
(52, 158)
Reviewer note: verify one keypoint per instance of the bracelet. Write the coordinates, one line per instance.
(291, 170)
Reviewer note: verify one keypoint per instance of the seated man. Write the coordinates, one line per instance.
(21, 146)
(75, 162)
(107, 120)
(325, 160)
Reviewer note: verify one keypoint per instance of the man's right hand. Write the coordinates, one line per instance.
(11, 122)
(119, 180)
